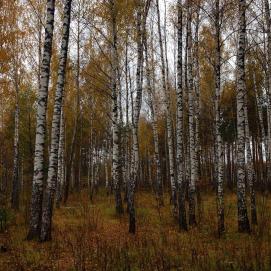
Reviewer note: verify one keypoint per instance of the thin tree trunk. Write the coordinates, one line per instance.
(76, 155)
(122, 172)
(260, 115)
(218, 138)
(268, 30)
(47, 208)
(116, 160)
(60, 164)
(169, 126)
(106, 170)
(153, 109)
(179, 129)
(141, 20)
(38, 178)
(90, 158)
(127, 127)
(243, 222)
(197, 109)
(89, 170)
(193, 160)
(15, 197)
(250, 169)
(92, 168)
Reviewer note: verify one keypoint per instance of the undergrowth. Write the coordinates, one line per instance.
(89, 236)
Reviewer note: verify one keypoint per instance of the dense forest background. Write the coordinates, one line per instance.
(135, 135)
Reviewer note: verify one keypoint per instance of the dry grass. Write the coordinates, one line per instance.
(91, 237)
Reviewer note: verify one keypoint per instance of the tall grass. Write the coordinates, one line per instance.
(89, 236)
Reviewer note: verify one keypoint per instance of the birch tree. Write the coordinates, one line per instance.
(250, 168)
(218, 138)
(268, 31)
(169, 126)
(116, 159)
(61, 162)
(140, 24)
(136, 113)
(197, 101)
(16, 78)
(47, 208)
(243, 222)
(38, 178)
(193, 160)
(153, 110)
(15, 197)
(179, 129)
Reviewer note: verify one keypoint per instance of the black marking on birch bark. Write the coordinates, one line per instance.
(179, 129)
(37, 185)
(47, 208)
(243, 222)
(192, 181)
(116, 159)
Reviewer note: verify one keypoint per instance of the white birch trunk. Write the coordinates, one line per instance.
(260, 116)
(250, 169)
(218, 138)
(243, 222)
(168, 115)
(15, 197)
(60, 164)
(47, 207)
(38, 178)
(116, 159)
(193, 160)
(153, 109)
(141, 20)
(179, 128)
(268, 30)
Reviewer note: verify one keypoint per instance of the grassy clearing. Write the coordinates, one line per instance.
(89, 236)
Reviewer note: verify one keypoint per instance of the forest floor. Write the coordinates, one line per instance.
(89, 236)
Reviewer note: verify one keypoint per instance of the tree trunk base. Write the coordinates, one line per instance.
(182, 214)
(132, 222)
(33, 234)
(243, 226)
